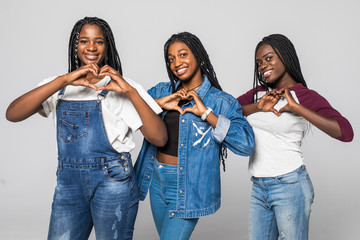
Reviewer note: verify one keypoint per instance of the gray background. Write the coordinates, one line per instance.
(34, 41)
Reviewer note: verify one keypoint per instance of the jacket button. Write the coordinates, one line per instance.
(181, 168)
(181, 191)
(122, 157)
(172, 214)
(182, 145)
(182, 120)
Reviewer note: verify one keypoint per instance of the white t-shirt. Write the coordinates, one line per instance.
(119, 114)
(277, 140)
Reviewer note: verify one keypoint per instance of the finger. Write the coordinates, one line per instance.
(179, 109)
(189, 110)
(109, 69)
(92, 86)
(283, 109)
(276, 112)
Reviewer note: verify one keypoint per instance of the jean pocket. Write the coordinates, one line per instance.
(73, 125)
(118, 171)
(201, 135)
(289, 178)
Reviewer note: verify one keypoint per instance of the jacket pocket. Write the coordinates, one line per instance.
(201, 135)
(73, 125)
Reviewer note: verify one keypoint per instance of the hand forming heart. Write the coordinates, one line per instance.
(171, 102)
(90, 74)
(268, 101)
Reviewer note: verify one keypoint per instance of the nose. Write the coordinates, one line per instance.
(177, 62)
(92, 46)
(262, 66)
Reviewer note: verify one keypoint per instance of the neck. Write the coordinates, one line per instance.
(286, 81)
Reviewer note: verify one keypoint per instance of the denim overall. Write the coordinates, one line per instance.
(96, 185)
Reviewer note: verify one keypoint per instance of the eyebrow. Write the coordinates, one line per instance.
(95, 38)
(268, 54)
(257, 60)
(183, 49)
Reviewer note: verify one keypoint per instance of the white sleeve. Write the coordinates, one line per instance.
(49, 104)
(147, 98)
(132, 117)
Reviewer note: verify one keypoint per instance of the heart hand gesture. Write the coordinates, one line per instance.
(268, 101)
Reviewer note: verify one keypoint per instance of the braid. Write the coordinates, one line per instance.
(286, 52)
(111, 55)
(202, 58)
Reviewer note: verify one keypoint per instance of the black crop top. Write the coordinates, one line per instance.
(171, 120)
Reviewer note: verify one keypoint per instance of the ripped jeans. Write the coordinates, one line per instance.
(98, 192)
(280, 206)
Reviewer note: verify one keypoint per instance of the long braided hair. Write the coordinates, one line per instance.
(286, 52)
(111, 54)
(202, 58)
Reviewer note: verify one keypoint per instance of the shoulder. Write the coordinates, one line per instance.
(221, 95)
(160, 90)
(308, 97)
(247, 97)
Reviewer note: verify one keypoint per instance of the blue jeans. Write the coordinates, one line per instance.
(100, 193)
(163, 193)
(280, 206)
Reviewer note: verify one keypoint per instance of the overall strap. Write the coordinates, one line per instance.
(102, 95)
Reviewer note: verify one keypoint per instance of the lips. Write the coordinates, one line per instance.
(181, 71)
(267, 73)
(90, 56)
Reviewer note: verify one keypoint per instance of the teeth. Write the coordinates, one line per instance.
(180, 71)
(267, 73)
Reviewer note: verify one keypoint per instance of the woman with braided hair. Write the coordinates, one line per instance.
(201, 120)
(96, 111)
(281, 109)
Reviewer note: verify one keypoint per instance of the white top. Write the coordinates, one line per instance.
(277, 140)
(120, 116)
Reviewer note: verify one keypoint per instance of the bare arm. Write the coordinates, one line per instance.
(31, 102)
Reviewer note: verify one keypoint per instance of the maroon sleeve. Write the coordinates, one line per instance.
(314, 101)
(247, 98)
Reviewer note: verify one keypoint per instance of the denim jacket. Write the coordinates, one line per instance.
(199, 150)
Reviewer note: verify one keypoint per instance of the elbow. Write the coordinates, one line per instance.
(160, 139)
(11, 117)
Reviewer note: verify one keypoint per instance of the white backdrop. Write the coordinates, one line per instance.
(34, 42)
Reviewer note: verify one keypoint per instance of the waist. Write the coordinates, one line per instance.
(166, 159)
(94, 162)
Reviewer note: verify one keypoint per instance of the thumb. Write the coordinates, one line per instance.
(276, 112)
(190, 110)
(177, 108)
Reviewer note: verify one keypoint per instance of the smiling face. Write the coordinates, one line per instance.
(183, 63)
(271, 67)
(91, 45)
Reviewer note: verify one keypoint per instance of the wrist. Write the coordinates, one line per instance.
(206, 114)
(63, 80)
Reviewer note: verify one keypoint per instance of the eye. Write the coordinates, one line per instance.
(100, 42)
(269, 58)
(183, 54)
(83, 41)
(171, 60)
(258, 64)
